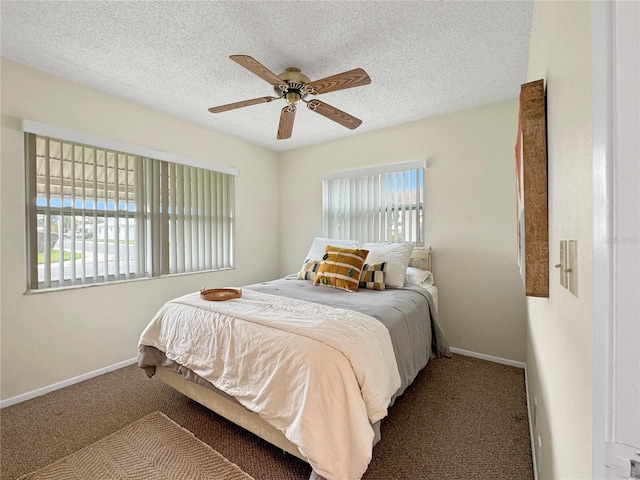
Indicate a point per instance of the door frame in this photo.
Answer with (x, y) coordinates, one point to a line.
(616, 228)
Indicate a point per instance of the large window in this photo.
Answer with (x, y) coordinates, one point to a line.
(380, 204)
(98, 214)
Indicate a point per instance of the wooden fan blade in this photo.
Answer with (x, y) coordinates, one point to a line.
(350, 79)
(286, 122)
(258, 69)
(245, 103)
(332, 113)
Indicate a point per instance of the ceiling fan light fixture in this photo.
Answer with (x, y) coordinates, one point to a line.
(294, 86)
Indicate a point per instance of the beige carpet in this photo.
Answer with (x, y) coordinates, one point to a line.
(154, 447)
(463, 418)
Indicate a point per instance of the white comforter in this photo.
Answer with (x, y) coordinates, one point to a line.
(321, 375)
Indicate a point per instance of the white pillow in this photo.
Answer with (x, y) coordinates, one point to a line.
(317, 250)
(397, 256)
(419, 277)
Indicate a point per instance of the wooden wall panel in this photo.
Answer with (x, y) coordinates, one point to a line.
(534, 175)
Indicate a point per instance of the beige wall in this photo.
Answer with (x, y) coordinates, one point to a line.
(559, 353)
(470, 215)
(51, 337)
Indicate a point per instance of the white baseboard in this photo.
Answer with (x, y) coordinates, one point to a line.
(490, 358)
(65, 383)
(531, 435)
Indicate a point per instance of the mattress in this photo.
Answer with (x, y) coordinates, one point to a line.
(433, 291)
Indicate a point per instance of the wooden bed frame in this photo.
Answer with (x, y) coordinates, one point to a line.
(236, 413)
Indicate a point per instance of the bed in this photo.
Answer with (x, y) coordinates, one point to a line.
(307, 368)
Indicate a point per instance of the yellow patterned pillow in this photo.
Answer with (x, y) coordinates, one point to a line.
(340, 268)
(372, 276)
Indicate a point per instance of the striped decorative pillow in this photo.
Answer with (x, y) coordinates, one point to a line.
(372, 276)
(340, 268)
(309, 270)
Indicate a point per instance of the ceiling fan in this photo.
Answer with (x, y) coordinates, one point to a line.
(294, 87)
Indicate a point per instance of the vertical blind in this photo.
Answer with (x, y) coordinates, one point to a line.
(98, 215)
(382, 204)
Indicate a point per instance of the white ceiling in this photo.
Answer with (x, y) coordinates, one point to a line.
(424, 58)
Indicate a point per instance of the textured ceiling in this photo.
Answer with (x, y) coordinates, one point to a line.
(424, 58)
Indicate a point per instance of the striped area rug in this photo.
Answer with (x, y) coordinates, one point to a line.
(154, 447)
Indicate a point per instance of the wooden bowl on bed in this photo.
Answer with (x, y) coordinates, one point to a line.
(219, 294)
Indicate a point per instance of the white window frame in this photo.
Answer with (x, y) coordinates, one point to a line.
(180, 205)
(356, 205)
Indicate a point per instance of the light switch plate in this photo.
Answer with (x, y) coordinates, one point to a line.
(572, 266)
(563, 264)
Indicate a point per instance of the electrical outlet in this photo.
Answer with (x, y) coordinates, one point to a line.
(538, 457)
(535, 411)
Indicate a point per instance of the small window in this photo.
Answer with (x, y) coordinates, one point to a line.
(98, 215)
(380, 204)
